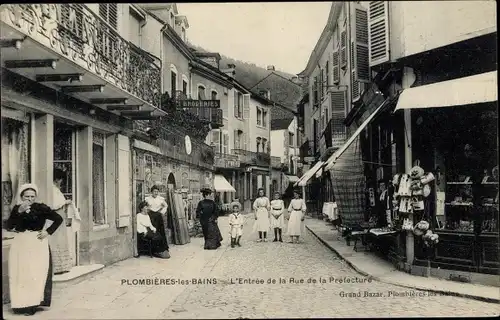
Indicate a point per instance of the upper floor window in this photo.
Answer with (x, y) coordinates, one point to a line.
(264, 118)
(259, 140)
(264, 145)
(201, 92)
(109, 13)
(173, 82)
(214, 95)
(238, 105)
(238, 139)
(259, 117)
(183, 33)
(327, 71)
(291, 139)
(184, 87)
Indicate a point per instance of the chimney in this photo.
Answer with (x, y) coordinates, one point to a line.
(231, 66)
(271, 68)
(230, 71)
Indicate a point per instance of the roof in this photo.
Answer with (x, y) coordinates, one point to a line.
(280, 124)
(180, 19)
(283, 90)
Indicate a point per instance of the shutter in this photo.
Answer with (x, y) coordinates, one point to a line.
(359, 45)
(338, 107)
(327, 71)
(236, 143)
(336, 67)
(225, 143)
(123, 182)
(378, 32)
(246, 106)
(109, 12)
(343, 49)
(355, 87)
(244, 138)
(235, 97)
(315, 91)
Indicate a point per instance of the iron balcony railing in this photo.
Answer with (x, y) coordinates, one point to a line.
(253, 158)
(214, 116)
(76, 32)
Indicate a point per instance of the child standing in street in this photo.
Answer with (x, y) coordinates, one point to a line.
(236, 221)
(277, 216)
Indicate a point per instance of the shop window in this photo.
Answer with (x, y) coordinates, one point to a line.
(98, 180)
(15, 161)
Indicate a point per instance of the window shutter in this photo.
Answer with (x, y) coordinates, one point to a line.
(235, 97)
(338, 107)
(343, 49)
(109, 12)
(246, 106)
(359, 45)
(378, 32)
(216, 139)
(236, 143)
(225, 143)
(336, 67)
(123, 177)
(327, 71)
(245, 143)
(315, 91)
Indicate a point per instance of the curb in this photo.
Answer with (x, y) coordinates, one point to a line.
(363, 273)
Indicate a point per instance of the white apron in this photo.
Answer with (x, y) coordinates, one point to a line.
(28, 269)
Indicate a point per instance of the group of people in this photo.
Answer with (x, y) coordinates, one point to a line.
(272, 215)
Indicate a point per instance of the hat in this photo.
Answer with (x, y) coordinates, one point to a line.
(206, 190)
(236, 204)
(23, 188)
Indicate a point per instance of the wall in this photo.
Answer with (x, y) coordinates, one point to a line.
(418, 26)
(151, 39)
(172, 56)
(258, 131)
(278, 141)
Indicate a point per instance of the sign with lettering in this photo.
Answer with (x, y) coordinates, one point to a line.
(212, 104)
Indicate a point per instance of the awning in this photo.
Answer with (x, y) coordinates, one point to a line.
(292, 179)
(222, 185)
(333, 158)
(308, 175)
(463, 91)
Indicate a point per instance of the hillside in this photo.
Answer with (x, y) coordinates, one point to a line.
(247, 73)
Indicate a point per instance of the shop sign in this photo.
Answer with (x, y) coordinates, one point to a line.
(210, 104)
(226, 163)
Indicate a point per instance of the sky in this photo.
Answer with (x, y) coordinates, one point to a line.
(282, 34)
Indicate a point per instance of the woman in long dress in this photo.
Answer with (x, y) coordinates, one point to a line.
(59, 245)
(277, 217)
(297, 210)
(208, 214)
(261, 206)
(30, 261)
(157, 212)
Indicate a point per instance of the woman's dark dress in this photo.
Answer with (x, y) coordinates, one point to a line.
(35, 221)
(208, 214)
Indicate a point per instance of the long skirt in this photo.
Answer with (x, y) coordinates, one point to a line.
(212, 234)
(295, 224)
(59, 245)
(277, 222)
(262, 223)
(161, 243)
(30, 271)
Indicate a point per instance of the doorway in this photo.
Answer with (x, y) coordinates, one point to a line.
(171, 181)
(65, 161)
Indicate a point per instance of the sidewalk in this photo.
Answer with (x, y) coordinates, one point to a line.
(368, 264)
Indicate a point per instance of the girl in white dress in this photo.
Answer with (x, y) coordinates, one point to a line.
(261, 207)
(297, 210)
(277, 217)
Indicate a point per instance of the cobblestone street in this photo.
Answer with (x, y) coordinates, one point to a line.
(104, 295)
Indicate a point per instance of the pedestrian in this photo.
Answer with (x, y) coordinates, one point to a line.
(236, 221)
(208, 213)
(30, 261)
(277, 216)
(261, 207)
(156, 202)
(297, 210)
(157, 212)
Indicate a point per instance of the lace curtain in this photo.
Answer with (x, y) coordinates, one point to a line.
(98, 179)
(15, 161)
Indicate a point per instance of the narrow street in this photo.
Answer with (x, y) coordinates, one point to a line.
(104, 296)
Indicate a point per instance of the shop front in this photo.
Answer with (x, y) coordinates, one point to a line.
(454, 136)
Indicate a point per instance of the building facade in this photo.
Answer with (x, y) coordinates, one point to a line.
(67, 87)
(335, 76)
(444, 134)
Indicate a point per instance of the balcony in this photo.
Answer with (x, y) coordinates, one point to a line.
(207, 115)
(226, 161)
(69, 48)
(253, 158)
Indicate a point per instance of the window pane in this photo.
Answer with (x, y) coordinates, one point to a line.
(201, 93)
(214, 95)
(62, 142)
(98, 184)
(184, 87)
(173, 79)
